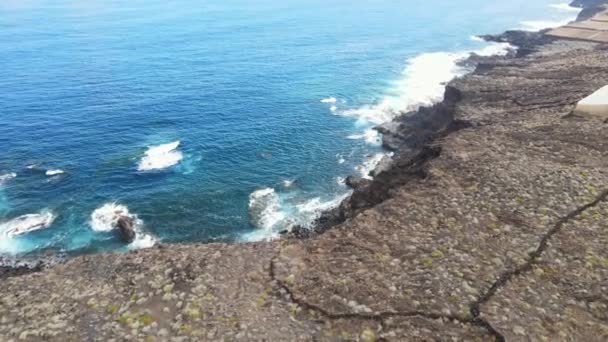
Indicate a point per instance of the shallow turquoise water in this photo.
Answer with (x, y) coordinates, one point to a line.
(88, 86)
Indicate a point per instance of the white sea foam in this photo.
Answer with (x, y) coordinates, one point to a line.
(316, 206)
(56, 172)
(537, 25)
(160, 157)
(7, 177)
(565, 7)
(142, 240)
(27, 223)
(493, 49)
(329, 100)
(371, 136)
(370, 164)
(105, 219)
(422, 84)
(341, 180)
(333, 109)
(271, 215)
(288, 183)
(264, 209)
(340, 159)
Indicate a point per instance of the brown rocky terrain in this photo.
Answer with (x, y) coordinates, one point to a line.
(491, 224)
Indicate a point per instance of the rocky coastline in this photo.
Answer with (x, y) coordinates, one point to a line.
(489, 223)
(411, 136)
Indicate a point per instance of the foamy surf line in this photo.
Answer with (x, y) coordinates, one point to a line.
(423, 83)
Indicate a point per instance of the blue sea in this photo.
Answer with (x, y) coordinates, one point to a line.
(212, 120)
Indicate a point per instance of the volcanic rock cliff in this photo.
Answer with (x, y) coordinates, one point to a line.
(491, 223)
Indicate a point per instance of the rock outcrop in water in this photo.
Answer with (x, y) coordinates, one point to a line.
(126, 228)
(490, 224)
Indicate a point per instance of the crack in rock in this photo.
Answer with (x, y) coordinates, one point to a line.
(379, 317)
(532, 260)
(475, 310)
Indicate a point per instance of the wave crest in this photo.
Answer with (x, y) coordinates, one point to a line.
(370, 164)
(422, 84)
(105, 218)
(160, 157)
(27, 223)
(264, 209)
(6, 177)
(371, 136)
(56, 172)
(271, 214)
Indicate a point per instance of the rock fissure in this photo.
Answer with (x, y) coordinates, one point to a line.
(505, 277)
(379, 317)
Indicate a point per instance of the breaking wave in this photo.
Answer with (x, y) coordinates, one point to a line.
(329, 100)
(270, 213)
(160, 157)
(422, 84)
(7, 177)
(371, 136)
(56, 172)
(104, 218)
(560, 8)
(370, 164)
(143, 240)
(27, 223)
(288, 183)
(264, 209)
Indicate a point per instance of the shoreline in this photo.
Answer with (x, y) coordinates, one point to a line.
(407, 147)
(420, 135)
(409, 136)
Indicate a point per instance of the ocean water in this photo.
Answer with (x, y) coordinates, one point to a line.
(212, 120)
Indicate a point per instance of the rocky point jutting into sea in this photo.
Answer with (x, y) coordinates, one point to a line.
(490, 223)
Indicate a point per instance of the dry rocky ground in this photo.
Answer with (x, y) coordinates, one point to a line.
(502, 235)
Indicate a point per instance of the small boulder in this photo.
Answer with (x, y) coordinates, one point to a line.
(125, 228)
